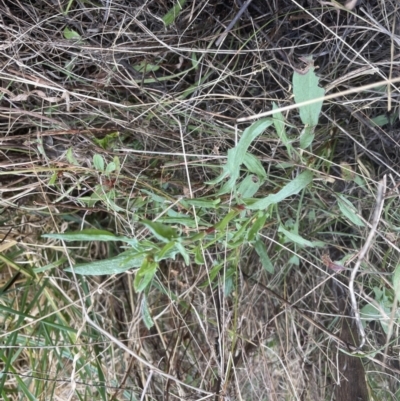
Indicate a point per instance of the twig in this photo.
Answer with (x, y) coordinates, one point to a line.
(233, 22)
(361, 256)
(146, 386)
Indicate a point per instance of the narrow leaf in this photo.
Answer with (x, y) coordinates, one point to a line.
(254, 165)
(71, 158)
(184, 221)
(396, 281)
(261, 250)
(168, 250)
(237, 155)
(145, 274)
(257, 225)
(146, 315)
(89, 234)
(198, 255)
(161, 231)
(206, 203)
(225, 221)
(295, 238)
(184, 253)
(279, 124)
(292, 188)
(118, 264)
(349, 211)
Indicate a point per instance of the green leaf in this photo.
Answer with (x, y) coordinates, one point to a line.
(380, 295)
(380, 120)
(347, 171)
(168, 251)
(197, 236)
(71, 158)
(145, 274)
(89, 234)
(256, 226)
(279, 123)
(161, 231)
(198, 255)
(110, 168)
(396, 281)
(195, 60)
(294, 260)
(70, 34)
(249, 186)
(56, 264)
(206, 203)
(237, 155)
(145, 67)
(306, 137)
(118, 264)
(238, 237)
(229, 280)
(349, 211)
(254, 165)
(292, 188)
(184, 221)
(100, 195)
(98, 162)
(261, 250)
(248, 136)
(305, 88)
(155, 198)
(53, 179)
(221, 225)
(108, 142)
(182, 250)
(214, 272)
(117, 163)
(295, 238)
(360, 182)
(369, 313)
(146, 315)
(385, 119)
(173, 13)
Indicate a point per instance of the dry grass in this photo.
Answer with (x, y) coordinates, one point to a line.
(167, 99)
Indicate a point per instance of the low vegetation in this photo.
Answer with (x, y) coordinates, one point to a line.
(194, 212)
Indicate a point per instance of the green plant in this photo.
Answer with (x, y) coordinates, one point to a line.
(384, 309)
(215, 267)
(240, 221)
